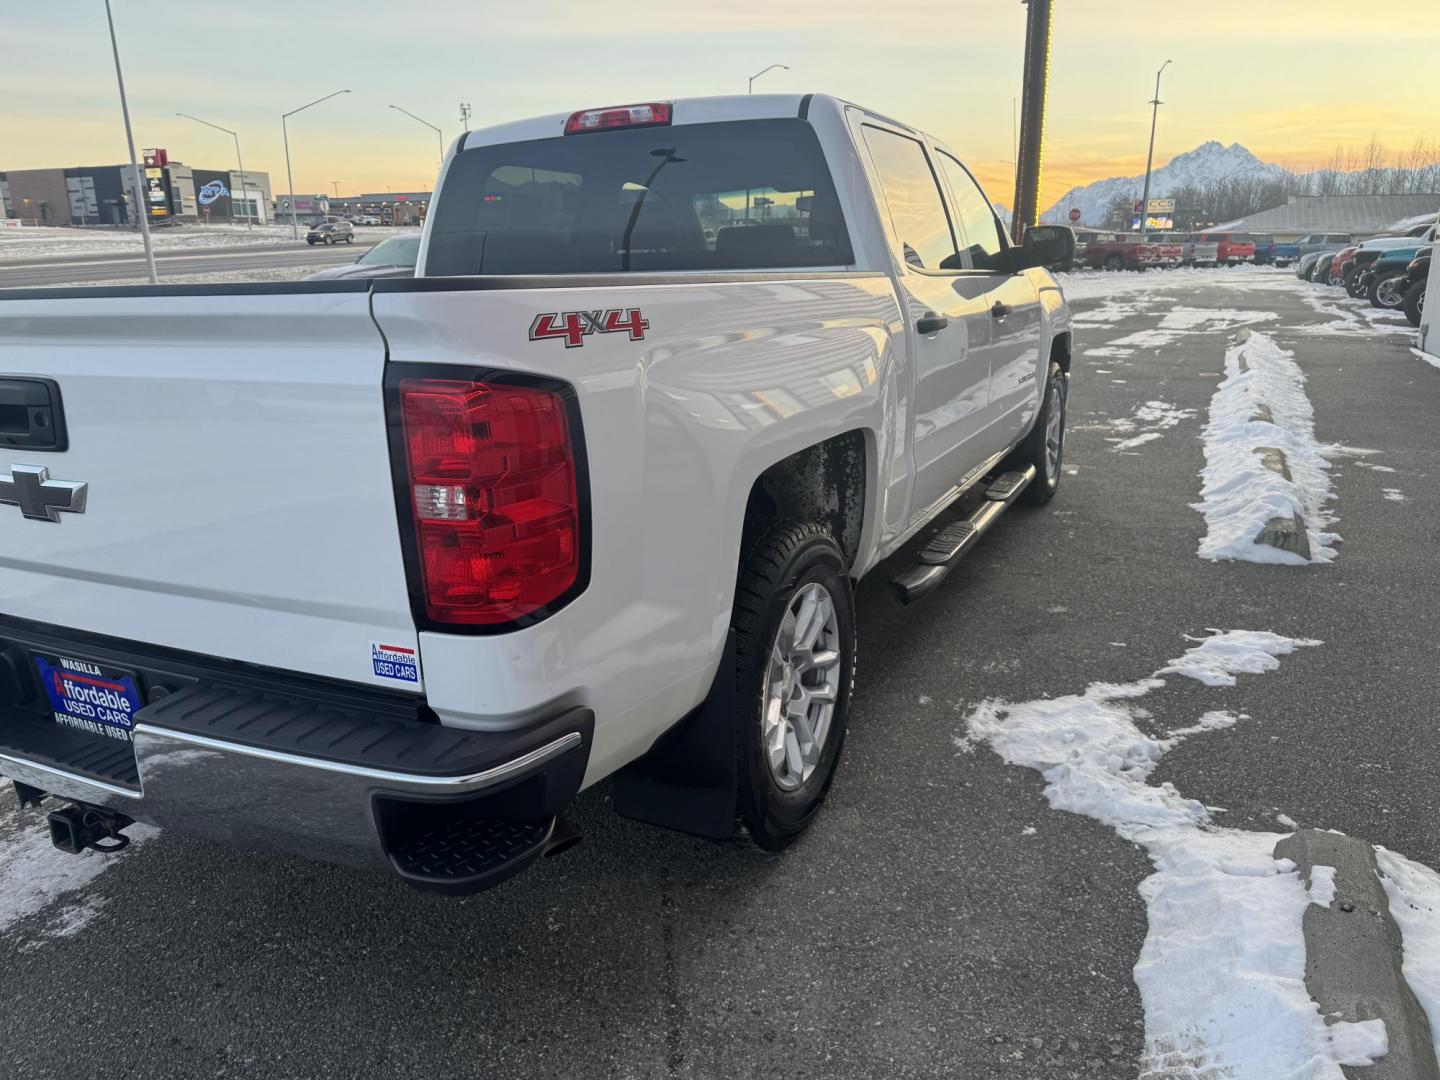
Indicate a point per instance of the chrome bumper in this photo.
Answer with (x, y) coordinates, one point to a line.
(257, 798)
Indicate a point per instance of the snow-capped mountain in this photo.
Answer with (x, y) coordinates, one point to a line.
(1204, 165)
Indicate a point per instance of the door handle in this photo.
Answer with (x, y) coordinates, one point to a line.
(931, 323)
(1000, 309)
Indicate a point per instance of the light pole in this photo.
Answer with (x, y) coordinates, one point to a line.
(750, 87)
(143, 210)
(1150, 157)
(439, 137)
(289, 177)
(244, 185)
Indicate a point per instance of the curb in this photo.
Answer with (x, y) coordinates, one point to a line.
(1353, 954)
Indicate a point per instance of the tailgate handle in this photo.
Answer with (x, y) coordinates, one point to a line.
(30, 414)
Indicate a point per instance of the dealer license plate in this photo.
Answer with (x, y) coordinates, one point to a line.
(88, 697)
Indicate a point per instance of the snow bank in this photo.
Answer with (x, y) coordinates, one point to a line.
(1239, 493)
(1414, 894)
(1222, 971)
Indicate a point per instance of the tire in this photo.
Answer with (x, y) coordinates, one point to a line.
(1352, 283)
(310, 242)
(784, 567)
(350, 239)
(1114, 262)
(1036, 447)
(1415, 303)
(1387, 292)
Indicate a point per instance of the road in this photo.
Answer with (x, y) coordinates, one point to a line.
(941, 919)
(52, 270)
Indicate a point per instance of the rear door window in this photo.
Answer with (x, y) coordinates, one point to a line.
(739, 195)
(917, 210)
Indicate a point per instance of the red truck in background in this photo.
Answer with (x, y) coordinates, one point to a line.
(1125, 251)
(1232, 247)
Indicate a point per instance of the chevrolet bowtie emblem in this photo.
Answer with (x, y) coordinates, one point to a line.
(30, 488)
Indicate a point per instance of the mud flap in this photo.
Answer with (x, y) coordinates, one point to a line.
(688, 781)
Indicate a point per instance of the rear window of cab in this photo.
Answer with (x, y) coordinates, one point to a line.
(737, 195)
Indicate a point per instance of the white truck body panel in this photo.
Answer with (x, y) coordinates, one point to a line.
(240, 500)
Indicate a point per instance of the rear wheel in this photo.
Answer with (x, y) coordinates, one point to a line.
(794, 624)
(1388, 291)
(1415, 303)
(1044, 447)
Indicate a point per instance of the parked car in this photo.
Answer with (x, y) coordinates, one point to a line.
(1083, 237)
(1416, 276)
(1387, 280)
(332, 232)
(1195, 253)
(1306, 265)
(1264, 248)
(1309, 244)
(1357, 282)
(406, 567)
(1231, 247)
(1320, 270)
(1124, 251)
(394, 257)
(1335, 273)
(1389, 256)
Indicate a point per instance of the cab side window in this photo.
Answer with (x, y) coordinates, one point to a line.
(978, 223)
(917, 210)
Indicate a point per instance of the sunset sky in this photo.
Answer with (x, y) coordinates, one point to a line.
(1290, 79)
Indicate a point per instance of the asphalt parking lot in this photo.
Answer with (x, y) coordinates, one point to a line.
(941, 919)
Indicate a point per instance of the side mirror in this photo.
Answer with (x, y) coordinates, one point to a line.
(1052, 246)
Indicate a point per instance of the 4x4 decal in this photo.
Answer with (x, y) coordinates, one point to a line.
(575, 326)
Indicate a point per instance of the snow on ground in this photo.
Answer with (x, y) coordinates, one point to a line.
(42, 242)
(36, 877)
(1151, 419)
(1222, 971)
(1208, 320)
(1414, 894)
(1429, 358)
(1239, 493)
(1100, 284)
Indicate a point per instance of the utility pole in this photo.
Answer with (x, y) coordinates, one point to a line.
(464, 117)
(1032, 117)
(1150, 157)
(143, 210)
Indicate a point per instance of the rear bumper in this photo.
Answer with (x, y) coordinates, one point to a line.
(264, 760)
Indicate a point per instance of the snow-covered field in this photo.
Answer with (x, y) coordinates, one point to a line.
(42, 242)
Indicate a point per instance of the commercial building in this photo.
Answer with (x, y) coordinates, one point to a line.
(1359, 215)
(106, 194)
(391, 207)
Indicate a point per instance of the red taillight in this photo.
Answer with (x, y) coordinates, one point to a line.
(651, 114)
(494, 492)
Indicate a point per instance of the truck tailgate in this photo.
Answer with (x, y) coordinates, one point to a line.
(239, 500)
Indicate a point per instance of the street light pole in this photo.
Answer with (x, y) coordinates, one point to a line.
(1150, 157)
(244, 186)
(285, 133)
(143, 210)
(439, 136)
(750, 87)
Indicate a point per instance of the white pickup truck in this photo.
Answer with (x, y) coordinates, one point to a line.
(385, 572)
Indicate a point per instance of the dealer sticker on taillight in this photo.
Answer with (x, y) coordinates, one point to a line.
(396, 663)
